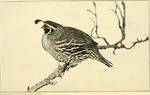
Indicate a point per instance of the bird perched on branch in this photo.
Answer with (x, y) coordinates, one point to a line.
(69, 45)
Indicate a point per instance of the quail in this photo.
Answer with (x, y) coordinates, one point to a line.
(69, 45)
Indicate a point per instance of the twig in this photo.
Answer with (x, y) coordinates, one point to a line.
(121, 26)
(122, 18)
(122, 45)
(136, 42)
(95, 22)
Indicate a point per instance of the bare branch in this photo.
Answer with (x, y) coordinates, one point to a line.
(136, 42)
(95, 27)
(117, 7)
(59, 72)
(121, 17)
(95, 22)
(122, 45)
(91, 12)
(105, 40)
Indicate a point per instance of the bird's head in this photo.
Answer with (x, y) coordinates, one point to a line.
(49, 26)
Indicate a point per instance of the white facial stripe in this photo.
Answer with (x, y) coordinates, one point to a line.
(50, 26)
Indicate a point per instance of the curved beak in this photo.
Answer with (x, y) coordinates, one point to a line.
(42, 27)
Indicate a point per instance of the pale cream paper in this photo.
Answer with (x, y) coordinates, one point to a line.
(24, 62)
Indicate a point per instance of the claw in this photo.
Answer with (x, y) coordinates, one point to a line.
(65, 66)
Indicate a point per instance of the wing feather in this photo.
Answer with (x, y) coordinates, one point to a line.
(79, 37)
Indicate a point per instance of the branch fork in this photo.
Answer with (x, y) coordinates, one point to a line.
(121, 17)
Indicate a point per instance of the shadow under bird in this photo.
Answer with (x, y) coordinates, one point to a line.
(69, 45)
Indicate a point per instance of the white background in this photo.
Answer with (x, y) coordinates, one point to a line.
(24, 62)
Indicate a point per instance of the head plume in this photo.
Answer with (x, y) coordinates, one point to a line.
(51, 24)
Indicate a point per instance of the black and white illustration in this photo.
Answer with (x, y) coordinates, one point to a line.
(74, 46)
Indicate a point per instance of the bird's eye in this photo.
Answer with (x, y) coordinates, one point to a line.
(47, 31)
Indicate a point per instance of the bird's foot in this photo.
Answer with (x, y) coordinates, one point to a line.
(65, 68)
(61, 75)
(71, 66)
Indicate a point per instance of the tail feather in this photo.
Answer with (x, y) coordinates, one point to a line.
(96, 55)
(100, 58)
(106, 62)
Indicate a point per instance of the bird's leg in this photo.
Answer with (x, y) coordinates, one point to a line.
(64, 69)
(71, 66)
